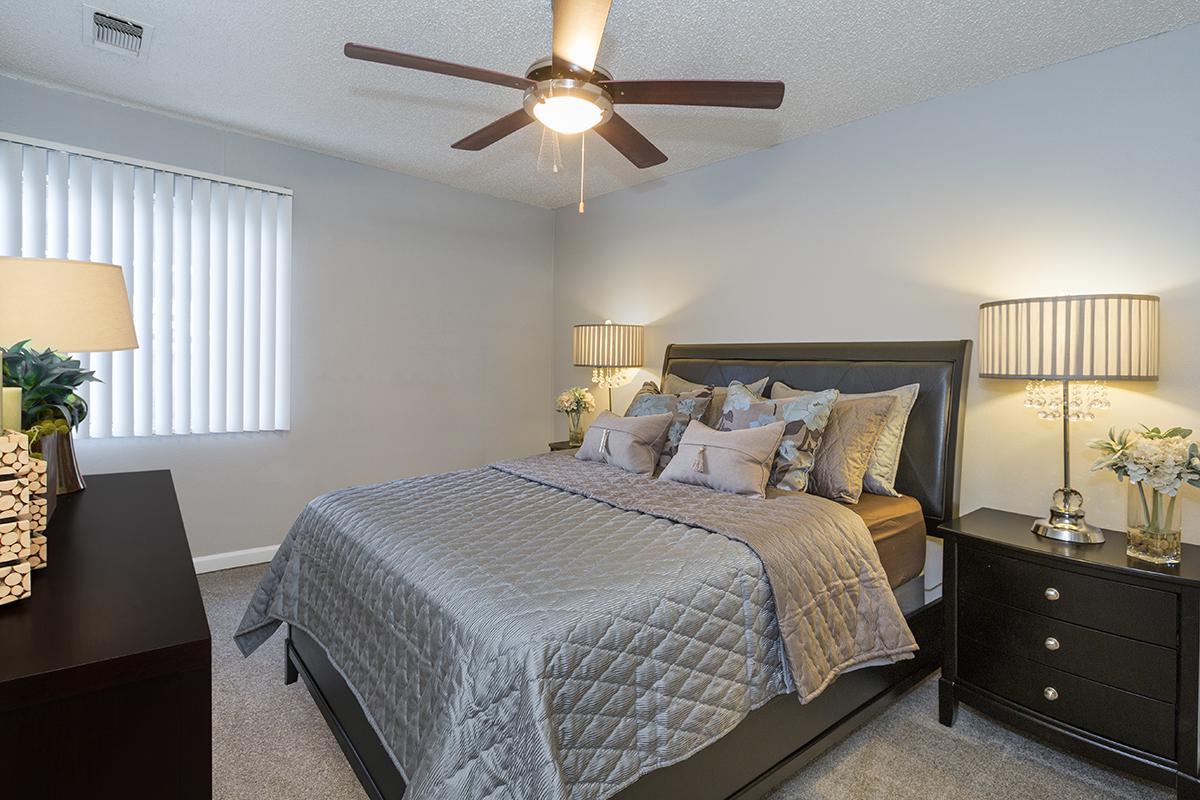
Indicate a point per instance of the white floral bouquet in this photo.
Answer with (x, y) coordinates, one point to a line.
(576, 400)
(1157, 463)
(1161, 460)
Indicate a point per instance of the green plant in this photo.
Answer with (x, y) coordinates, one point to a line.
(41, 430)
(48, 382)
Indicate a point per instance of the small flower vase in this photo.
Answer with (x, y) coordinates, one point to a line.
(1155, 526)
(575, 437)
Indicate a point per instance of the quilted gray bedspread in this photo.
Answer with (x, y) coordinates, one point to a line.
(549, 628)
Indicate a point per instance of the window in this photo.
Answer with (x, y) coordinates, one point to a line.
(207, 263)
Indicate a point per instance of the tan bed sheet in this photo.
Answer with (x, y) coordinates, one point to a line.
(897, 526)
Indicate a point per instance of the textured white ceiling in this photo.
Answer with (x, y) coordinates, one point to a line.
(276, 69)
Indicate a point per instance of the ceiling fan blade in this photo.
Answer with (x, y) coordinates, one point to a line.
(380, 56)
(490, 134)
(732, 94)
(578, 28)
(629, 143)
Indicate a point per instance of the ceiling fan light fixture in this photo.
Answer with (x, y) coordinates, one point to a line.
(568, 106)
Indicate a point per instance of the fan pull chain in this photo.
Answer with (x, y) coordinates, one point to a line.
(582, 162)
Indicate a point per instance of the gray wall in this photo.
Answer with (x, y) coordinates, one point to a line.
(420, 323)
(1081, 177)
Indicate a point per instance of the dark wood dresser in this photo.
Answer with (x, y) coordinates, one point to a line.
(1077, 644)
(105, 670)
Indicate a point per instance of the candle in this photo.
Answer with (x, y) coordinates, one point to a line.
(10, 408)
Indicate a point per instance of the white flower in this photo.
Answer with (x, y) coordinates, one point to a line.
(1160, 463)
(575, 400)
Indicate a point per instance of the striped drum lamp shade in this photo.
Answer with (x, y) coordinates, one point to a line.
(1104, 337)
(1051, 340)
(609, 350)
(607, 346)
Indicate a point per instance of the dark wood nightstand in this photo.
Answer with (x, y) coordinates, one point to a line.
(1077, 644)
(564, 445)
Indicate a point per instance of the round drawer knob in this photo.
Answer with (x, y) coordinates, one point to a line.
(1052, 594)
(1050, 693)
(1051, 643)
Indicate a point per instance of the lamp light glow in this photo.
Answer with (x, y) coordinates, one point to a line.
(568, 114)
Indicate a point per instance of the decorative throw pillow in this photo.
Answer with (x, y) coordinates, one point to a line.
(728, 461)
(880, 477)
(631, 443)
(805, 418)
(846, 447)
(674, 385)
(684, 408)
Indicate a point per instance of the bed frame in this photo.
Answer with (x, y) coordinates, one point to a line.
(782, 737)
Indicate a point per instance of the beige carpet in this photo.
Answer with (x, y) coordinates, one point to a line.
(270, 742)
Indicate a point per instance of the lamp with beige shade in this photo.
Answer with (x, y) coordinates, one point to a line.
(69, 307)
(1068, 339)
(609, 350)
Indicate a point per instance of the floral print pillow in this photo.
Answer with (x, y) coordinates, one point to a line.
(806, 418)
(686, 407)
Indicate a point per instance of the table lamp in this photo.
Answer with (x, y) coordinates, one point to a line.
(1094, 338)
(609, 350)
(67, 306)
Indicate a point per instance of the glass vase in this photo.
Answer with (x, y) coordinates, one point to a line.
(1155, 525)
(575, 437)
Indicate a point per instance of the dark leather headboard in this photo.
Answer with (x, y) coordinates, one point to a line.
(931, 460)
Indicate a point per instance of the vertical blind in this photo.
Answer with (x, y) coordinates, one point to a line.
(208, 267)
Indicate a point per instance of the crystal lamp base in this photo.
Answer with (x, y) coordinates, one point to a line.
(1066, 522)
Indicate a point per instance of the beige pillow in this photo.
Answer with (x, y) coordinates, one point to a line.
(846, 447)
(728, 461)
(673, 384)
(631, 443)
(880, 477)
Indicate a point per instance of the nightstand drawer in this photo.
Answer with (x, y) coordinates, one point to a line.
(1134, 666)
(1131, 611)
(1131, 719)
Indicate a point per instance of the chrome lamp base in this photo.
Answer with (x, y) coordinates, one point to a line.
(1066, 522)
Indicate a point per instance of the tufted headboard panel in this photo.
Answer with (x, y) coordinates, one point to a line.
(930, 462)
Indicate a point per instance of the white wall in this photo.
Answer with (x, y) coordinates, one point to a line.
(420, 322)
(1081, 177)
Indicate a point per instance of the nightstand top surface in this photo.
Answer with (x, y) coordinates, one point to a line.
(1007, 529)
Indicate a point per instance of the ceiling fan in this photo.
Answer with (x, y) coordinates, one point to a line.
(569, 93)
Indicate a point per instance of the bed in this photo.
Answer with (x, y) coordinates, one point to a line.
(543, 628)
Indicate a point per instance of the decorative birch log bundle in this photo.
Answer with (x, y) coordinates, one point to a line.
(14, 580)
(14, 453)
(37, 555)
(16, 541)
(38, 488)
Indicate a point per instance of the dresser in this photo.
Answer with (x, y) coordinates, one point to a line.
(105, 670)
(1077, 644)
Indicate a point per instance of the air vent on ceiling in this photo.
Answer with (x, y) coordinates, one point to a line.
(114, 34)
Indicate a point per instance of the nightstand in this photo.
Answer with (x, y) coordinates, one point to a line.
(1077, 644)
(562, 446)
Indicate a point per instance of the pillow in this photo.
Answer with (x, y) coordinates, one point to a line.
(728, 461)
(684, 407)
(845, 451)
(672, 384)
(880, 477)
(631, 443)
(805, 418)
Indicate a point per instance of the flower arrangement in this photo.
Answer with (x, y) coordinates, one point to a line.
(574, 402)
(1157, 463)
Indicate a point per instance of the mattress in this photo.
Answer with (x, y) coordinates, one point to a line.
(897, 526)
